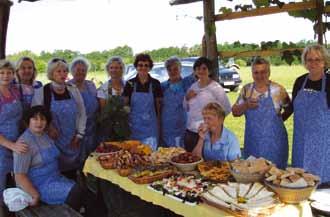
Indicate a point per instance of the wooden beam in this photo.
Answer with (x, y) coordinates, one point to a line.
(210, 37)
(4, 18)
(262, 53)
(181, 2)
(320, 9)
(266, 10)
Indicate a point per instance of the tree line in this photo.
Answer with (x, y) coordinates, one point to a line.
(98, 58)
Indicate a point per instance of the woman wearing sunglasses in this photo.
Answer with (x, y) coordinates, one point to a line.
(143, 94)
(311, 107)
(202, 92)
(68, 111)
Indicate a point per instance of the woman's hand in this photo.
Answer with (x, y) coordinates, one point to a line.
(75, 143)
(191, 94)
(252, 103)
(202, 130)
(19, 147)
(35, 200)
(52, 132)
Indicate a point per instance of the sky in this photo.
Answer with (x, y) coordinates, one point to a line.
(97, 25)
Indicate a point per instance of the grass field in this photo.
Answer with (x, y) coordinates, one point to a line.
(284, 75)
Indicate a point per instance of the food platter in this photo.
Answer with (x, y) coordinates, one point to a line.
(251, 199)
(150, 174)
(185, 188)
(217, 171)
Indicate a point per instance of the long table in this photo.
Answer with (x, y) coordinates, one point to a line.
(201, 210)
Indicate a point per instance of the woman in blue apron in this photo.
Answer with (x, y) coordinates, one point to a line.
(311, 104)
(79, 68)
(215, 141)
(143, 94)
(262, 102)
(68, 112)
(26, 73)
(37, 172)
(173, 117)
(10, 115)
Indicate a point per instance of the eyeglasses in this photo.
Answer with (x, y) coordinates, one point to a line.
(55, 60)
(143, 65)
(316, 60)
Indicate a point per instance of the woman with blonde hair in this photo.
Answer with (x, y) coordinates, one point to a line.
(10, 115)
(26, 74)
(68, 111)
(216, 142)
(311, 107)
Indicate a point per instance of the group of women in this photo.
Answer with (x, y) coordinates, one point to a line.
(182, 112)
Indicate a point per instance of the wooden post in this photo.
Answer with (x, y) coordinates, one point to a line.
(319, 8)
(4, 18)
(210, 37)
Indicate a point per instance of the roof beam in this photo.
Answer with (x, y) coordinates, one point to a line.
(266, 10)
(181, 2)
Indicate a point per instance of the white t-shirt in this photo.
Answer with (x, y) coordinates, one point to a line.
(103, 93)
(211, 93)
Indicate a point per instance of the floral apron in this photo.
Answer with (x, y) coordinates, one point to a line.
(265, 133)
(311, 136)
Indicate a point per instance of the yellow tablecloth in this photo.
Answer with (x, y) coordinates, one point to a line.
(202, 210)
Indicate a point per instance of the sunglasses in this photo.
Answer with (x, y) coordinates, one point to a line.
(143, 65)
(55, 60)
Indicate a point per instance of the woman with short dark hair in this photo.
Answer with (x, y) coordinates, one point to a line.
(37, 172)
(143, 94)
(202, 92)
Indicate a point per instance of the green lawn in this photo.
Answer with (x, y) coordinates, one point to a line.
(284, 75)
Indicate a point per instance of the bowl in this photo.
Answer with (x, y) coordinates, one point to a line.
(247, 177)
(186, 167)
(291, 195)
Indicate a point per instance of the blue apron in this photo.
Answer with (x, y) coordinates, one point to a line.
(64, 114)
(173, 115)
(143, 119)
(10, 115)
(88, 143)
(216, 151)
(265, 133)
(26, 98)
(311, 136)
(51, 185)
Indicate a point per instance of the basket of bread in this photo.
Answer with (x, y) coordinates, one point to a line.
(250, 170)
(292, 185)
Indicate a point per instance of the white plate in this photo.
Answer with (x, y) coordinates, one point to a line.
(321, 195)
(321, 207)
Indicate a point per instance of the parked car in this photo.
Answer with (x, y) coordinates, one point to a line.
(228, 77)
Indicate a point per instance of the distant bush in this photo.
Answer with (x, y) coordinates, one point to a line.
(240, 62)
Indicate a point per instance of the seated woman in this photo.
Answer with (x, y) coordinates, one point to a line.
(215, 141)
(37, 172)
